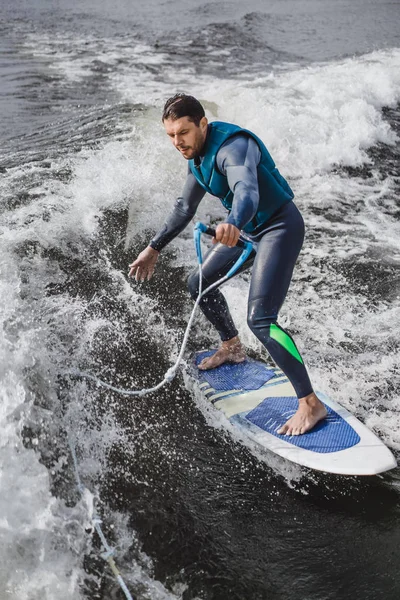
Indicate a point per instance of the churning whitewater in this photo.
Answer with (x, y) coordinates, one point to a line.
(87, 176)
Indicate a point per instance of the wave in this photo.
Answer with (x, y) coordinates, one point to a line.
(78, 207)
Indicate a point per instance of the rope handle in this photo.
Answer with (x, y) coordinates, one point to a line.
(248, 247)
(211, 231)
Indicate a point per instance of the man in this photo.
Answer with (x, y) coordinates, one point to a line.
(234, 165)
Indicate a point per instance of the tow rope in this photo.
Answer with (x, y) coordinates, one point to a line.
(199, 228)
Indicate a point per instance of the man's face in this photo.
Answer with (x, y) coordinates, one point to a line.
(186, 136)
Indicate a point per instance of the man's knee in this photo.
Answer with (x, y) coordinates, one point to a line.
(258, 319)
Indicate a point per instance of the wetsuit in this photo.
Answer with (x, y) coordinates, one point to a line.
(279, 239)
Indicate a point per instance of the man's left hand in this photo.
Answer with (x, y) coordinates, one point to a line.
(227, 234)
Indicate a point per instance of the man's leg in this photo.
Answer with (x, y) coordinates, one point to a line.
(217, 263)
(277, 253)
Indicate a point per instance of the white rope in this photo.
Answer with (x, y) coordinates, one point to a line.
(108, 554)
(170, 374)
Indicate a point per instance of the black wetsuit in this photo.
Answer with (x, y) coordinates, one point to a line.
(279, 242)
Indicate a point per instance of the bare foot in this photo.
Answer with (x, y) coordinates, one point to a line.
(229, 351)
(310, 411)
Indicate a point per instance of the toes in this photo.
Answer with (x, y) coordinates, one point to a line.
(204, 364)
(237, 359)
(208, 363)
(204, 367)
(286, 429)
(219, 358)
(289, 429)
(298, 427)
(301, 429)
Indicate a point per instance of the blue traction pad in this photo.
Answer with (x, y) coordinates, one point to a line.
(248, 375)
(330, 435)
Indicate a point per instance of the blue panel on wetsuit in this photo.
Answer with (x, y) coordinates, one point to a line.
(330, 435)
(248, 375)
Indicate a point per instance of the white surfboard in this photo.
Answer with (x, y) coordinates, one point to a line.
(259, 399)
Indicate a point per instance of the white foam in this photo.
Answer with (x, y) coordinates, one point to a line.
(311, 119)
(316, 117)
(44, 548)
(33, 520)
(76, 58)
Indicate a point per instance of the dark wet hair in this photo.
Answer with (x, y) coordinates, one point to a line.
(182, 105)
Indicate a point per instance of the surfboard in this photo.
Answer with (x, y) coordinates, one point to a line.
(258, 399)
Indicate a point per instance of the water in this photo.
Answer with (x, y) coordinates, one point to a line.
(87, 175)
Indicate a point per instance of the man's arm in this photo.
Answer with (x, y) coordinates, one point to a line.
(184, 210)
(238, 160)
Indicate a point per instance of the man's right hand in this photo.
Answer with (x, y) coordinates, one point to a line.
(143, 267)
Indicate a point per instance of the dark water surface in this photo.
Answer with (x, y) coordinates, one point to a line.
(86, 177)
